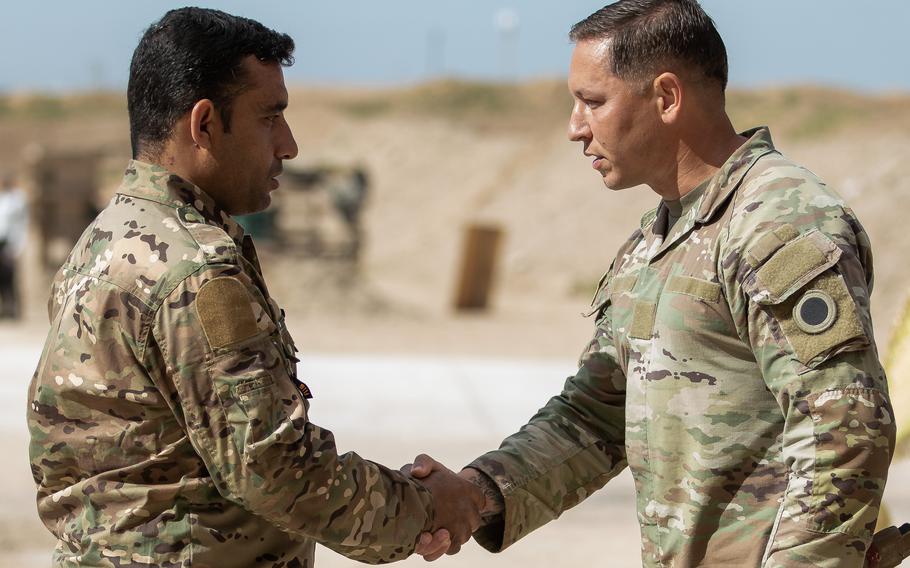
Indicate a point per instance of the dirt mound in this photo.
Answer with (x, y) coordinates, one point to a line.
(446, 154)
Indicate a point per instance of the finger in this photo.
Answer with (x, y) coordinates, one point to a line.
(438, 550)
(406, 468)
(444, 547)
(433, 544)
(423, 466)
(434, 556)
(423, 544)
(453, 549)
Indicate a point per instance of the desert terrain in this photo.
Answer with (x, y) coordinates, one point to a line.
(394, 369)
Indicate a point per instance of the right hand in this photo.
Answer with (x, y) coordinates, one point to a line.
(458, 505)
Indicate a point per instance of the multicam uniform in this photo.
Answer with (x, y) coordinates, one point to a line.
(167, 424)
(733, 369)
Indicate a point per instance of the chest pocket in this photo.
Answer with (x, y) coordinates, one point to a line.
(693, 308)
(601, 296)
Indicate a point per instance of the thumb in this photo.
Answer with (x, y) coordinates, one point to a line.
(423, 466)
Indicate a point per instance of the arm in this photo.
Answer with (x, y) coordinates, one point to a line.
(568, 450)
(799, 279)
(247, 419)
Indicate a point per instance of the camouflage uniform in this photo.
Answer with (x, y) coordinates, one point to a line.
(733, 369)
(167, 425)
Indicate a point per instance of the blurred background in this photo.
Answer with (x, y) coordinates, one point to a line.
(438, 237)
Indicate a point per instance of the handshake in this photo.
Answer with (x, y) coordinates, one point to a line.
(464, 501)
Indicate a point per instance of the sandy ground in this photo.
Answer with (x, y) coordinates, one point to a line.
(387, 408)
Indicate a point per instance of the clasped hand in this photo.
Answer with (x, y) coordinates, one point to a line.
(458, 507)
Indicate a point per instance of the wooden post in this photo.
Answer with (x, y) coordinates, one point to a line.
(478, 265)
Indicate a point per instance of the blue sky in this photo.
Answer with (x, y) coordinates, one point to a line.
(61, 45)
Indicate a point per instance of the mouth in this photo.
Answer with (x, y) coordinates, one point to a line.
(597, 162)
(274, 182)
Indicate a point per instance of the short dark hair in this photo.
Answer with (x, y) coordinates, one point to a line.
(647, 34)
(188, 55)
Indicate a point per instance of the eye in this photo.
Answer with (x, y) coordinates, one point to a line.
(592, 103)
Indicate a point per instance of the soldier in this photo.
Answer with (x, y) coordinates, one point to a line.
(732, 366)
(168, 427)
(13, 231)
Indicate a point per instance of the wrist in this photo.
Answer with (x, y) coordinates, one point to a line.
(493, 500)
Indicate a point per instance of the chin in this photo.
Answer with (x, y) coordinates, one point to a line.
(611, 183)
(615, 183)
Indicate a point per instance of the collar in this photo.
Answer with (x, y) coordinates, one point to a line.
(727, 179)
(720, 186)
(155, 183)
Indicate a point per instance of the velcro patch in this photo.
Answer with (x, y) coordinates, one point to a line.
(643, 320)
(770, 244)
(225, 310)
(702, 289)
(623, 284)
(821, 319)
(793, 266)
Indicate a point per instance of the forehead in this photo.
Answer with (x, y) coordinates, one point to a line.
(590, 64)
(263, 82)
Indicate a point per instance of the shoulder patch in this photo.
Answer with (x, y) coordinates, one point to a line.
(821, 320)
(815, 312)
(225, 310)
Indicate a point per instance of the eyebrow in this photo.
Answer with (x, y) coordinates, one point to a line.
(276, 107)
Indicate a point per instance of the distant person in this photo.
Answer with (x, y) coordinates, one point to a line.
(732, 367)
(13, 232)
(168, 425)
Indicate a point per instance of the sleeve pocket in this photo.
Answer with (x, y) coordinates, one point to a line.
(257, 398)
(807, 298)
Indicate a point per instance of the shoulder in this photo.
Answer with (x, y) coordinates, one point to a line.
(778, 191)
(787, 229)
(146, 248)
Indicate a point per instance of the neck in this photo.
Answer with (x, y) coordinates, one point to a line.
(177, 161)
(699, 155)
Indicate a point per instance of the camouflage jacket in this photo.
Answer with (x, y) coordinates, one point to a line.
(733, 370)
(167, 425)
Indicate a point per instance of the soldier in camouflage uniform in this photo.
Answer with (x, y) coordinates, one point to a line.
(168, 427)
(732, 366)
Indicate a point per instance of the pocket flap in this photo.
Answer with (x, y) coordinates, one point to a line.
(601, 294)
(695, 287)
(791, 267)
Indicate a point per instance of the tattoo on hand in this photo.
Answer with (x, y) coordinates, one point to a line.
(494, 502)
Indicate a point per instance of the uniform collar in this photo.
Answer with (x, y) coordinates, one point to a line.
(155, 183)
(727, 179)
(723, 183)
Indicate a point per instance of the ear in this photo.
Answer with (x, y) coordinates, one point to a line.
(204, 122)
(668, 95)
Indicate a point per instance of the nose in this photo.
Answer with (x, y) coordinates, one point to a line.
(286, 146)
(578, 126)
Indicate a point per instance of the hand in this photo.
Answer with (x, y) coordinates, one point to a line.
(458, 505)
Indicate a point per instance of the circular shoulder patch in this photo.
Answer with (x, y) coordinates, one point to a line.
(815, 312)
